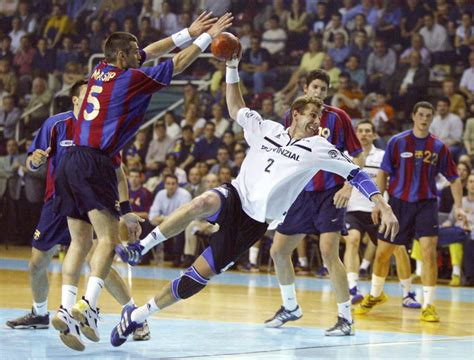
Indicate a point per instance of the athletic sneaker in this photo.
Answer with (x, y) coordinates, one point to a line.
(130, 253)
(142, 333)
(68, 329)
(455, 281)
(363, 273)
(322, 272)
(125, 327)
(88, 318)
(342, 328)
(356, 295)
(30, 321)
(410, 302)
(369, 302)
(282, 316)
(429, 314)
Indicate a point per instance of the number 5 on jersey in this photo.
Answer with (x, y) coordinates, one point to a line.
(94, 102)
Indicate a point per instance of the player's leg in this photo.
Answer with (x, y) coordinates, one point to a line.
(352, 263)
(429, 276)
(368, 258)
(402, 259)
(456, 252)
(38, 318)
(303, 265)
(205, 205)
(253, 257)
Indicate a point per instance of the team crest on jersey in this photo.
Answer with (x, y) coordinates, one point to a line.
(66, 143)
(406, 154)
(37, 234)
(333, 153)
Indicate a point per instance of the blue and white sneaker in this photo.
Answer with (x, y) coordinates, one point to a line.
(282, 316)
(130, 253)
(356, 296)
(125, 327)
(410, 302)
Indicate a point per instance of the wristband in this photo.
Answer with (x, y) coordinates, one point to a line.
(125, 207)
(33, 166)
(181, 37)
(231, 75)
(203, 41)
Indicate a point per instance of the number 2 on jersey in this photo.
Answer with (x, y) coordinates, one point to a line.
(270, 163)
(94, 101)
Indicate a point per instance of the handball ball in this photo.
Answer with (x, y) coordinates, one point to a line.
(225, 46)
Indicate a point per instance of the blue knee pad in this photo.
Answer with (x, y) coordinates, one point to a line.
(188, 284)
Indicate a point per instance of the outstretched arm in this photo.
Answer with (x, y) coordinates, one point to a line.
(234, 98)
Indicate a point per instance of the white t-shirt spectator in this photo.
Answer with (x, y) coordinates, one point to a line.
(274, 40)
(436, 39)
(467, 79)
(447, 129)
(173, 131)
(163, 205)
(221, 128)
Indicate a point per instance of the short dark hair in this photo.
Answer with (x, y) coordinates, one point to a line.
(424, 105)
(318, 74)
(170, 156)
(187, 127)
(367, 122)
(160, 123)
(76, 87)
(210, 123)
(118, 41)
(173, 176)
(443, 99)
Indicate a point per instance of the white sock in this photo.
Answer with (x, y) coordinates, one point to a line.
(253, 255)
(365, 264)
(457, 270)
(303, 260)
(419, 267)
(428, 295)
(352, 278)
(94, 288)
(288, 294)
(41, 309)
(141, 313)
(344, 310)
(406, 286)
(68, 296)
(151, 240)
(130, 302)
(377, 285)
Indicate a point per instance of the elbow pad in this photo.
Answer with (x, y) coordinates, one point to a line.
(362, 182)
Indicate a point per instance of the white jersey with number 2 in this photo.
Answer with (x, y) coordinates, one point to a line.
(277, 167)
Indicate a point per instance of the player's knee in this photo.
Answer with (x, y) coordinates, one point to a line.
(37, 264)
(204, 204)
(429, 254)
(352, 241)
(188, 284)
(328, 251)
(278, 253)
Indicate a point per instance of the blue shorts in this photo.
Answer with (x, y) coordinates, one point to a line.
(416, 220)
(314, 213)
(85, 181)
(51, 229)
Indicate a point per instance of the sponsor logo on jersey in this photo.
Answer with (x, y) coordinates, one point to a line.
(406, 154)
(333, 153)
(286, 153)
(66, 143)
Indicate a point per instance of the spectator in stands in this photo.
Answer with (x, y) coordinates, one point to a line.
(297, 25)
(184, 146)
(38, 106)
(148, 12)
(332, 28)
(6, 49)
(228, 139)
(333, 72)
(28, 18)
(268, 111)
(340, 52)
(381, 65)
(279, 9)
(436, 40)
(417, 44)
(388, 24)
(274, 39)
(382, 116)
(356, 73)
(461, 6)
(140, 198)
(446, 201)
(66, 54)
(44, 60)
(8, 77)
(225, 174)
(218, 119)
(173, 130)
(96, 36)
(466, 85)
(130, 26)
(180, 174)
(245, 35)
(138, 149)
(57, 26)
(10, 164)
(205, 150)
(367, 9)
(157, 150)
(464, 33)
(344, 9)
(239, 157)
(194, 186)
(448, 127)
(255, 66)
(361, 48)
(412, 20)
(321, 18)
(468, 136)
(23, 62)
(3, 94)
(223, 159)
(72, 72)
(16, 33)
(165, 202)
(193, 119)
(348, 97)
(84, 52)
(458, 104)
(168, 20)
(409, 84)
(147, 34)
(190, 95)
(218, 8)
(10, 116)
(360, 24)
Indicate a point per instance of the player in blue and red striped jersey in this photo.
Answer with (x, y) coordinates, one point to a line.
(412, 160)
(118, 94)
(319, 209)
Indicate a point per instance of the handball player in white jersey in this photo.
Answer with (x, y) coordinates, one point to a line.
(279, 164)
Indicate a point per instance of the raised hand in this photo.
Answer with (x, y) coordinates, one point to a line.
(201, 24)
(224, 22)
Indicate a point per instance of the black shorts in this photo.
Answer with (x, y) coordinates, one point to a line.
(85, 181)
(416, 220)
(237, 231)
(362, 221)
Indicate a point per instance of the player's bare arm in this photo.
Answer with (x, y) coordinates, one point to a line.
(37, 159)
(185, 57)
(381, 181)
(164, 46)
(456, 190)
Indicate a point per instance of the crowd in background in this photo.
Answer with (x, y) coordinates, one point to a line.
(382, 57)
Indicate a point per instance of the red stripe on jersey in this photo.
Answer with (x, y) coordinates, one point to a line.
(409, 168)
